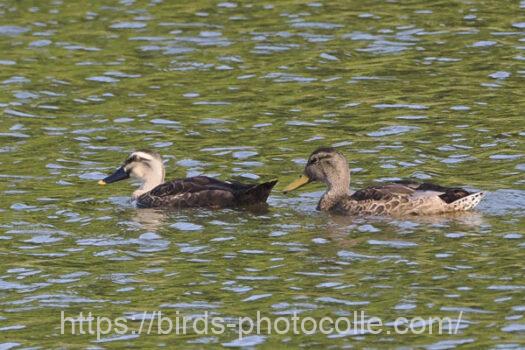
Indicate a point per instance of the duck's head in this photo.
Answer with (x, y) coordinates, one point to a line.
(326, 165)
(144, 165)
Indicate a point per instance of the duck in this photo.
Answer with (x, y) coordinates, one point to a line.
(400, 198)
(198, 191)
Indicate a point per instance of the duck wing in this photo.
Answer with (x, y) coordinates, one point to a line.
(203, 191)
(447, 194)
(410, 188)
(212, 183)
(382, 193)
(198, 191)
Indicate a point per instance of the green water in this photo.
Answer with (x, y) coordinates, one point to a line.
(246, 90)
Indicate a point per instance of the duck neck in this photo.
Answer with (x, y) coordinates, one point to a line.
(338, 188)
(150, 180)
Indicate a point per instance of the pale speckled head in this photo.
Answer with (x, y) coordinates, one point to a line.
(144, 165)
(327, 165)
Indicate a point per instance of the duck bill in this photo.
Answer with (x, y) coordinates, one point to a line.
(303, 180)
(118, 175)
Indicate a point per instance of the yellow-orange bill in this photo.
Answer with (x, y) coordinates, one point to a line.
(101, 182)
(303, 180)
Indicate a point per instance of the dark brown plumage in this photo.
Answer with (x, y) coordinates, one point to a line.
(203, 191)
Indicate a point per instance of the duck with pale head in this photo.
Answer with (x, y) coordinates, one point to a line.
(197, 191)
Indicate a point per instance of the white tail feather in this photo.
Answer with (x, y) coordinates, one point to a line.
(466, 203)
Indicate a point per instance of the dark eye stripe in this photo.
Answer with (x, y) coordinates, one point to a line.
(130, 160)
(136, 158)
(318, 158)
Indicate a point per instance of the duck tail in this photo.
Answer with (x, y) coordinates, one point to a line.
(466, 203)
(257, 193)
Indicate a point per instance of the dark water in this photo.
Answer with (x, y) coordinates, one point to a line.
(246, 90)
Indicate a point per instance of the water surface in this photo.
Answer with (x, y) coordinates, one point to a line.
(246, 90)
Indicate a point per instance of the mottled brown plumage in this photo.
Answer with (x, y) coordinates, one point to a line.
(399, 198)
(198, 191)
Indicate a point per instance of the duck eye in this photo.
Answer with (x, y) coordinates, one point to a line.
(130, 160)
